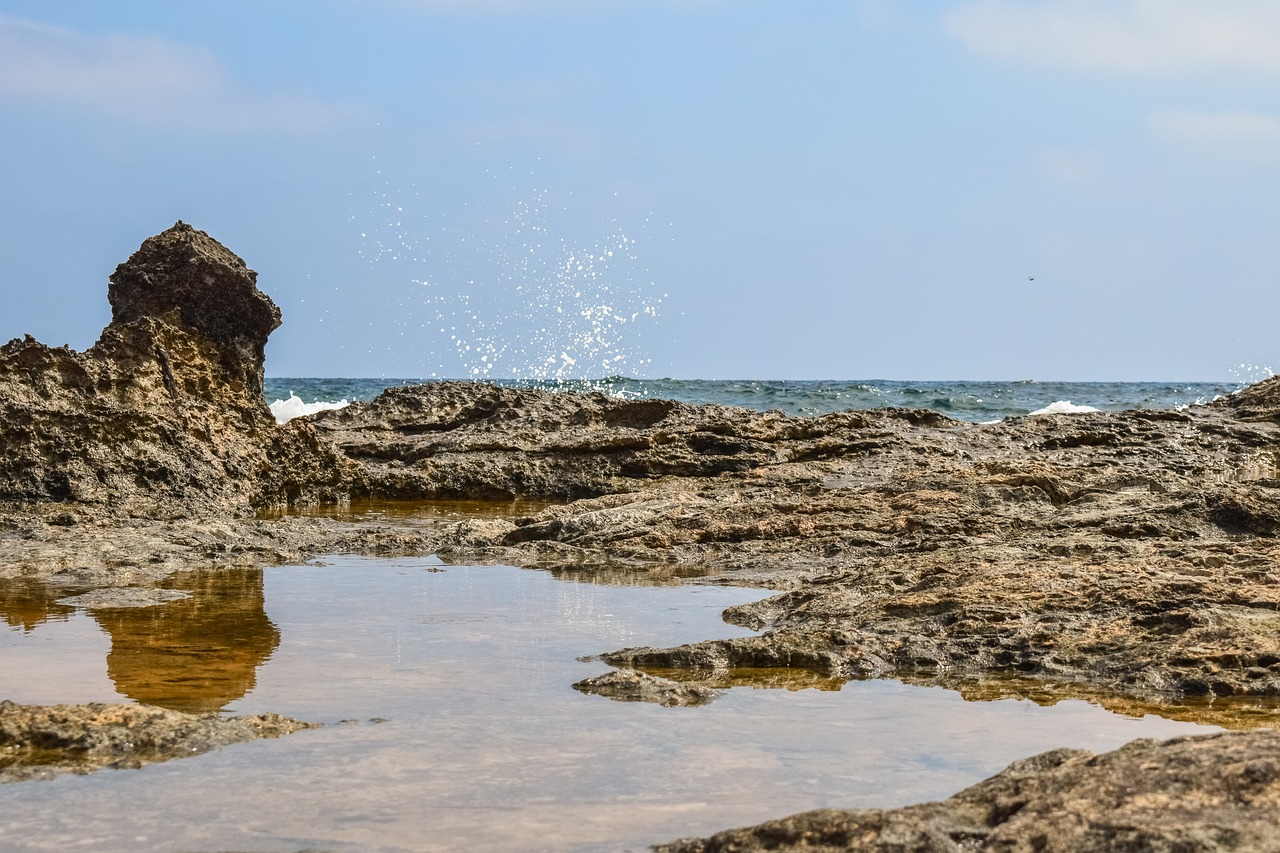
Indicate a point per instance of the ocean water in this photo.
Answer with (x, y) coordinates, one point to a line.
(968, 401)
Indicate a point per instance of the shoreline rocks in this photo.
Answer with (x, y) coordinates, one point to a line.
(1210, 793)
(44, 741)
(1129, 558)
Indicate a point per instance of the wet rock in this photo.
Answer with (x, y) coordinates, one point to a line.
(1214, 793)
(632, 686)
(40, 742)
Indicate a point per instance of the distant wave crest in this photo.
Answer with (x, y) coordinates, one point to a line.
(287, 410)
(1063, 407)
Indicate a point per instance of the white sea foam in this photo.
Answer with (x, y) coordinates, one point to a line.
(287, 410)
(1063, 407)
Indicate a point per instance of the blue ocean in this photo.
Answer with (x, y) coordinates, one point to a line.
(978, 402)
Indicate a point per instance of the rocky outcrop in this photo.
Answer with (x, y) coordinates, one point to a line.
(1215, 793)
(1127, 558)
(461, 439)
(632, 686)
(164, 415)
(43, 741)
(1128, 554)
(190, 281)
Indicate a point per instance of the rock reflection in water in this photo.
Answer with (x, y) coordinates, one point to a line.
(26, 604)
(198, 654)
(409, 512)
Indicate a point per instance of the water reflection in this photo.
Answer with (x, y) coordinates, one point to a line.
(410, 512)
(26, 603)
(486, 744)
(621, 574)
(1228, 712)
(761, 677)
(198, 654)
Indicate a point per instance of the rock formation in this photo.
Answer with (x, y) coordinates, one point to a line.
(1206, 794)
(164, 415)
(40, 742)
(1128, 558)
(1129, 555)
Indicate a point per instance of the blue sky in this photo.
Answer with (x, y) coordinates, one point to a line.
(688, 188)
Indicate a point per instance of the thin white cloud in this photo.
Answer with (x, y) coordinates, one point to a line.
(1142, 36)
(142, 79)
(1222, 128)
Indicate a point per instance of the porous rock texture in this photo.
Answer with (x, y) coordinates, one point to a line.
(1127, 558)
(1201, 794)
(146, 453)
(43, 741)
(1123, 554)
(164, 415)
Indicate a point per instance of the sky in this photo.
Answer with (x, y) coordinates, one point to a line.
(704, 189)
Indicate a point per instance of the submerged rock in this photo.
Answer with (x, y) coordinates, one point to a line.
(632, 686)
(1214, 793)
(40, 742)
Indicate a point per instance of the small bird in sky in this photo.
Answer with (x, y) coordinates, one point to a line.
(1031, 278)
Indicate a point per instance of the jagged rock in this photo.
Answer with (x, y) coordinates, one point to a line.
(43, 741)
(461, 439)
(1258, 402)
(1214, 793)
(164, 415)
(191, 281)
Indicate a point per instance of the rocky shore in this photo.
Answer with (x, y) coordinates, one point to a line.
(1127, 558)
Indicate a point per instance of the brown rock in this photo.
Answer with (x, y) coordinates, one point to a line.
(43, 741)
(1214, 793)
(191, 281)
(164, 415)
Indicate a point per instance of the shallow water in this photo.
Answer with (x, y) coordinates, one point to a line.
(464, 730)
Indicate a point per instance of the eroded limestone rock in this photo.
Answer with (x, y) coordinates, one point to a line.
(43, 741)
(1213, 793)
(164, 415)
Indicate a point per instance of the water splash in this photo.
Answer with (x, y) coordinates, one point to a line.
(512, 296)
(1247, 373)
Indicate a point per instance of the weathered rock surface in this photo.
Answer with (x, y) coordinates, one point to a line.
(1214, 793)
(1131, 559)
(461, 439)
(1132, 554)
(40, 742)
(164, 415)
(633, 686)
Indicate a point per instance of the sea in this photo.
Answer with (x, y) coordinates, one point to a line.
(974, 401)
